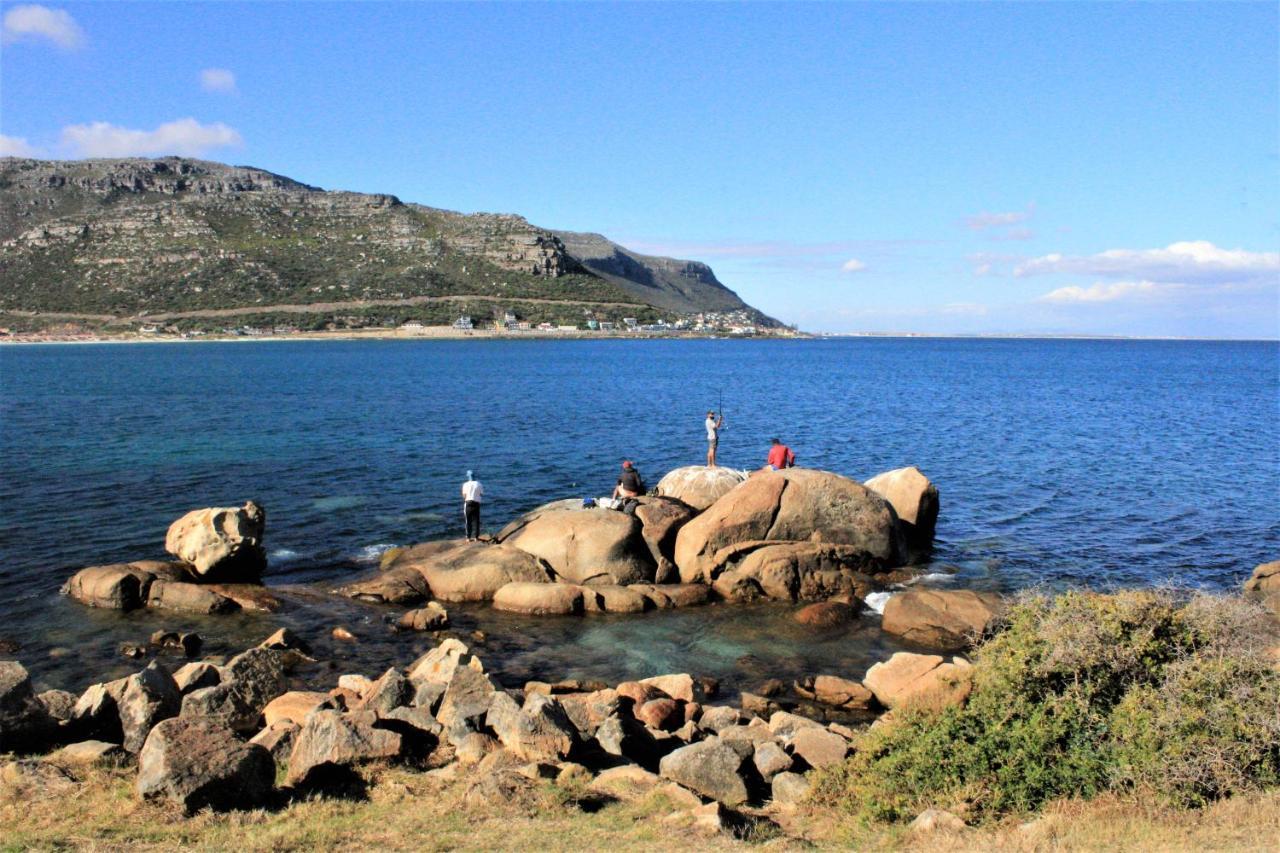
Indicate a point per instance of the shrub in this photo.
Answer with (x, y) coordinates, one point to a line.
(1080, 694)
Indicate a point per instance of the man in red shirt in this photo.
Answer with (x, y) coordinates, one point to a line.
(780, 456)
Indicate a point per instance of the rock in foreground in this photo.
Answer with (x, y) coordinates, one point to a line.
(198, 763)
(949, 620)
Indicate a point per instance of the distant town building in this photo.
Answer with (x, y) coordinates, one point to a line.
(463, 322)
(630, 322)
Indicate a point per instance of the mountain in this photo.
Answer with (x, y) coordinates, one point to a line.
(192, 242)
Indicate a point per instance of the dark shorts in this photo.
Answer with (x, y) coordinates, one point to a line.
(712, 442)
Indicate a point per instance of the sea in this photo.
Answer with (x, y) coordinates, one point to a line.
(1059, 463)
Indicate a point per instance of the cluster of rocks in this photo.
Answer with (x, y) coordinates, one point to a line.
(707, 534)
(209, 736)
(220, 560)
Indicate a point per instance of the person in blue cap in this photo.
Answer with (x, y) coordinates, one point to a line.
(472, 497)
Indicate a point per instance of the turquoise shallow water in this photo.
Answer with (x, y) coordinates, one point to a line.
(1095, 463)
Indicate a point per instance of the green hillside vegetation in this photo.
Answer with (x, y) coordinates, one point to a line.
(139, 238)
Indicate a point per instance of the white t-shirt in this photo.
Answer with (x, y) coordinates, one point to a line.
(473, 491)
(711, 429)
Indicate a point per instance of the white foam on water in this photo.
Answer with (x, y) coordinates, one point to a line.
(371, 553)
(283, 555)
(877, 600)
(338, 502)
(933, 577)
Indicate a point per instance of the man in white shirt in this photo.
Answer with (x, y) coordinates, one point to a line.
(472, 497)
(713, 436)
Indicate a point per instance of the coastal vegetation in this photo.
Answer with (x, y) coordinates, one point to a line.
(1136, 693)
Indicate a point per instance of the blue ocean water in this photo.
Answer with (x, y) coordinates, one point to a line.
(1059, 462)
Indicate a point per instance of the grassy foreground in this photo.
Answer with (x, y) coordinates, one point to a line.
(406, 810)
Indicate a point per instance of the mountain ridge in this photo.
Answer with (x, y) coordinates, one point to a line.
(141, 237)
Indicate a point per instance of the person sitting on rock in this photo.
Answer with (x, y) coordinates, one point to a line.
(780, 456)
(629, 483)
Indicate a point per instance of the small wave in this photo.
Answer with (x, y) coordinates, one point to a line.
(371, 553)
(283, 555)
(877, 600)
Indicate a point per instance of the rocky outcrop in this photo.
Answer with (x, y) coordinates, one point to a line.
(660, 521)
(198, 763)
(915, 500)
(222, 543)
(699, 486)
(164, 586)
(585, 546)
(463, 571)
(826, 614)
(949, 620)
(831, 526)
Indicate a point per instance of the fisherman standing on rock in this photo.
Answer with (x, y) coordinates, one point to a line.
(713, 425)
(472, 497)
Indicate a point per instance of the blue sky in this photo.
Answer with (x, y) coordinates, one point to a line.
(1020, 168)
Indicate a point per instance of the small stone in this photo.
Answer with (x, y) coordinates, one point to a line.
(628, 782)
(664, 714)
(432, 617)
(770, 759)
(89, 753)
(819, 747)
(934, 820)
(283, 639)
(343, 635)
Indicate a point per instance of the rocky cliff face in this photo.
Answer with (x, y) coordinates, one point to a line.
(144, 236)
(682, 286)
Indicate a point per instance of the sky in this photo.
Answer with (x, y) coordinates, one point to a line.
(1001, 168)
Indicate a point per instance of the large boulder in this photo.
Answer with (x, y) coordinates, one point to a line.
(941, 619)
(468, 571)
(699, 486)
(793, 505)
(330, 739)
(926, 680)
(915, 500)
(1265, 580)
(221, 543)
(198, 763)
(24, 720)
(586, 546)
(539, 599)
(120, 586)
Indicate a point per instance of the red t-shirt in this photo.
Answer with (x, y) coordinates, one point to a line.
(780, 456)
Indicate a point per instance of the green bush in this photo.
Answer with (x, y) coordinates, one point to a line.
(1080, 694)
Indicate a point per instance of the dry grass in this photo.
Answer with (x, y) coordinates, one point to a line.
(407, 810)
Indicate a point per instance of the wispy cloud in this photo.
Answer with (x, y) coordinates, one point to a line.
(853, 265)
(218, 80)
(40, 23)
(987, 219)
(1103, 292)
(16, 146)
(186, 137)
(1197, 261)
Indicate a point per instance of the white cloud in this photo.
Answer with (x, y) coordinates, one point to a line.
(218, 80)
(32, 22)
(984, 220)
(1197, 261)
(1101, 292)
(853, 265)
(16, 146)
(186, 137)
